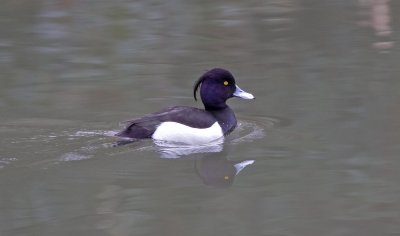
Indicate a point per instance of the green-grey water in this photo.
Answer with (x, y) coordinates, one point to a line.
(318, 150)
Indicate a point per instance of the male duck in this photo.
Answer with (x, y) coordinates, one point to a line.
(191, 125)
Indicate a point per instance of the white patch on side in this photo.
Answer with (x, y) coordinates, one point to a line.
(175, 132)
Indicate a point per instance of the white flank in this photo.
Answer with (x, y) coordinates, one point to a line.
(175, 132)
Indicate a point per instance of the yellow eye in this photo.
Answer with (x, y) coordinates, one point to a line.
(226, 83)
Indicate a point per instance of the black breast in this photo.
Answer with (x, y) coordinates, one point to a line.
(226, 119)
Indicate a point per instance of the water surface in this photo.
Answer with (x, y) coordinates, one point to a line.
(317, 150)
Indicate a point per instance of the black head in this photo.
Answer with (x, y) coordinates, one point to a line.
(218, 85)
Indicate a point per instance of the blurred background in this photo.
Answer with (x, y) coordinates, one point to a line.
(317, 151)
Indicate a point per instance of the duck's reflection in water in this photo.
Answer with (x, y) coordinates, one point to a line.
(213, 167)
(218, 171)
(176, 150)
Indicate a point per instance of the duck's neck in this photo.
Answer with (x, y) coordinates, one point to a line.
(226, 118)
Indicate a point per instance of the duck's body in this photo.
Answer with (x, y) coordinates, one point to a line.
(192, 125)
(182, 124)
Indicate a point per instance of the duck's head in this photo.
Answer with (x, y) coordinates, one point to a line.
(218, 85)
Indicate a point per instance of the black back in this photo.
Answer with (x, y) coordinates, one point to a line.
(144, 127)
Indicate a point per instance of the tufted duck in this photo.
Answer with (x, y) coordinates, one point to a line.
(191, 125)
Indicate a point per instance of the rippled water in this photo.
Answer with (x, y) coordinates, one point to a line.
(315, 154)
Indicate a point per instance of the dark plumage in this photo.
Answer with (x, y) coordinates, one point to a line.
(144, 127)
(216, 86)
